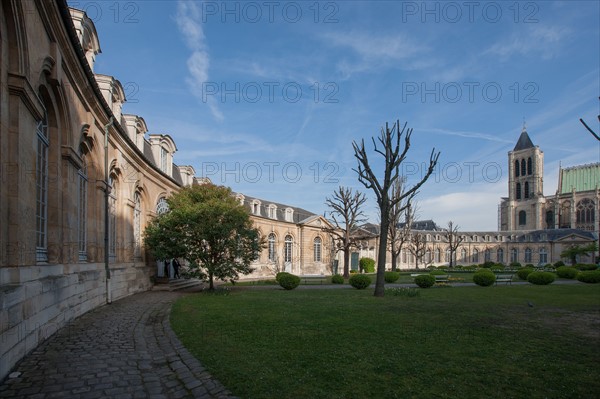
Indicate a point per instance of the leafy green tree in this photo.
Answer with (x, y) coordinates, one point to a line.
(207, 227)
(577, 250)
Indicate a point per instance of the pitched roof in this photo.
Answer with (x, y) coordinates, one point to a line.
(299, 215)
(524, 142)
(580, 178)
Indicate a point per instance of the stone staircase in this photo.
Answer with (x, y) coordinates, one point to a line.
(183, 285)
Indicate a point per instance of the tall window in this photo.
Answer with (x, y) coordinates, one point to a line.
(527, 255)
(585, 214)
(272, 212)
(448, 253)
(522, 218)
(523, 168)
(549, 219)
(137, 225)
(289, 215)
(526, 191)
(517, 168)
(514, 255)
(287, 256)
(518, 191)
(487, 255)
(271, 247)
(475, 256)
(529, 166)
(163, 159)
(82, 213)
(500, 255)
(41, 183)
(317, 249)
(543, 256)
(463, 255)
(112, 219)
(162, 206)
(438, 255)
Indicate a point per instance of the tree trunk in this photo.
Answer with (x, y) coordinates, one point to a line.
(347, 262)
(394, 260)
(211, 285)
(380, 281)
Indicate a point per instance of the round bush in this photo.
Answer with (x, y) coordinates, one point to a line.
(541, 278)
(497, 266)
(279, 275)
(425, 280)
(487, 264)
(566, 272)
(289, 281)
(524, 272)
(360, 281)
(337, 279)
(585, 266)
(484, 278)
(515, 265)
(391, 277)
(367, 265)
(590, 276)
(559, 263)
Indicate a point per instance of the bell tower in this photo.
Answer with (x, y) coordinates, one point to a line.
(525, 185)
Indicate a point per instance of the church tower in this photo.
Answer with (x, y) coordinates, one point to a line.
(525, 185)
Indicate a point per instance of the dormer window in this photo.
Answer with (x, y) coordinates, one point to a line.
(163, 159)
(240, 198)
(256, 208)
(272, 212)
(289, 215)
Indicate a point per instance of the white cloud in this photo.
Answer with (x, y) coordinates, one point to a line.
(537, 41)
(188, 19)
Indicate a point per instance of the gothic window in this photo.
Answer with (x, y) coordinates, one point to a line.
(549, 219)
(514, 255)
(527, 255)
(522, 218)
(82, 212)
(517, 168)
(162, 206)
(317, 249)
(137, 225)
(41, 182)
(523, 168)
(526, 191)
(565, 215)
(529, 166)
(288, 248)
(500, 255)
(271, 247)
(543, 256)
(518, 191)
(585, 214)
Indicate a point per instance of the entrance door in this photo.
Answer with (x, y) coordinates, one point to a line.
(354, 261)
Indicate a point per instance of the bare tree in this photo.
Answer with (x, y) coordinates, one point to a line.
(393, 153)
(346, 215)
(399, 234)
(454, 240)
(589, 128)
(418, 247)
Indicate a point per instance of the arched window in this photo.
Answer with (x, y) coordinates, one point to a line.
(517, 168)
(82, 212)
(514, 255)
(487, 255)
(272, 212)
(526, 191)
(271, 247)
(549, 219)
(529, 166)
(522, 218)
(528, 255)
(287, 256)
(523, 168)
(289, 215)
(543, 256)
(448, 253)
(475, 256)
(428, 256)
(137, 225)
(463, 255)
(500, 255)
(162, 206)
(317, 249)
(41, 183)
(518, 191)
(438, 255)
(585, 214)
(112, 218)
(565, 215)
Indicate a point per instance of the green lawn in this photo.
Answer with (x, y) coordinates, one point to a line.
(467, 342)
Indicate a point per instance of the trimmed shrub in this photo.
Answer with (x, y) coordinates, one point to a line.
(360, 281)
(391, 277)
(497, 266)
(484, 278)
(425, 280)
(586, 266)
(589, 276)
(566, 272)
(487, 264)
(530, 265)
(515, 265)
(279, 275)
(524, 272)
(289, 281)
(353, 271)
(337, 279)
(541, 278)
(559, 263)
(367, 265)
(438, 273)
(446, 267)
(402, 291)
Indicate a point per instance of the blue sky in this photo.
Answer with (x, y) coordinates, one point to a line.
(267, 97)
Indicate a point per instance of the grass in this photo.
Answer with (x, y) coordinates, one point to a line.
(460, 342)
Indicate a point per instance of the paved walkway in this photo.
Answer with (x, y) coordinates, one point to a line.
(123, 350)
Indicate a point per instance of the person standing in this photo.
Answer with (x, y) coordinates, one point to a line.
(176, 267)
